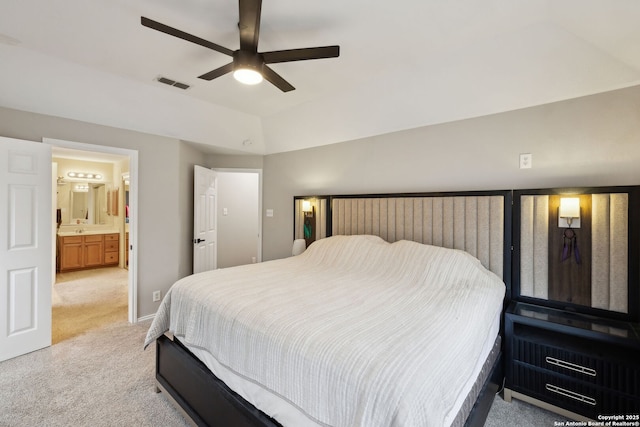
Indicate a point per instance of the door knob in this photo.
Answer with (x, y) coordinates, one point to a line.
(196, 241)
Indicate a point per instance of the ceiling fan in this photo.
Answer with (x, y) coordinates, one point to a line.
(249, 66)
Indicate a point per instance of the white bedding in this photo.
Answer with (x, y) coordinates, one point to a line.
(353, 332)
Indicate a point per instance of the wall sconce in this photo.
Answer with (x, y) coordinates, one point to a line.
(84, 175)
(569, 212)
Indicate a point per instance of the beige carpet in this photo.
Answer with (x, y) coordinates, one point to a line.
(101, 378)
(88, 299)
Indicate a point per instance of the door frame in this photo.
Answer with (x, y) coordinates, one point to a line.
(259, 172)
(133, 211)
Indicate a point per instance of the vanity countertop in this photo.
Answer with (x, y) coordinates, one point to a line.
(83, 232)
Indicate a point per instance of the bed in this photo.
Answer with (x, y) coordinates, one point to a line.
(359, 330)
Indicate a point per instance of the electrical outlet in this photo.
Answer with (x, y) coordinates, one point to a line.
(526, 160)
(156, 296)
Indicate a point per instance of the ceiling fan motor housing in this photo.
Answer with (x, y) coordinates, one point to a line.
(247, 60)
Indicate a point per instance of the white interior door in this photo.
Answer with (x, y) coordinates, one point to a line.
(205, 233)
(25, 249)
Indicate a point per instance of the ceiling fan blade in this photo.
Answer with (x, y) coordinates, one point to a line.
(217, 72)
(150, 23)
(249, 24)
(276, 80)
(301, 54)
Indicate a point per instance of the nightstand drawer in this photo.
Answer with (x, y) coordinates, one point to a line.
(600, 364)
(573, 395)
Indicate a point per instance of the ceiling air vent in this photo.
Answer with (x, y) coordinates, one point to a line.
(170, 82)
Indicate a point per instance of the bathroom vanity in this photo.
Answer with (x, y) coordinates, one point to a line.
(93, 249)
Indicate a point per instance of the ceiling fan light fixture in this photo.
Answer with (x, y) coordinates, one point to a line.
(247, 76)
(249, 66)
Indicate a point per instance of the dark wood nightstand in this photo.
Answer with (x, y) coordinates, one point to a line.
(576, 365)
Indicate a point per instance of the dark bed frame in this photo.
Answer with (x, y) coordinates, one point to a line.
(205, 400)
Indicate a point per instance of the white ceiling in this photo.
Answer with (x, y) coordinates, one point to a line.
(403, 64)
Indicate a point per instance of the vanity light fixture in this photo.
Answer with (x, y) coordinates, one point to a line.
(569, 212)
(84, 188)
(86, 175)
(306, 206)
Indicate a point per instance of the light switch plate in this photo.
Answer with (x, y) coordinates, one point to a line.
(269, 212)
(526, 160)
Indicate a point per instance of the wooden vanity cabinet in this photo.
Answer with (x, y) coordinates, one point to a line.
(111, 249)
(80, 252)
(70, 253)
(93, 251)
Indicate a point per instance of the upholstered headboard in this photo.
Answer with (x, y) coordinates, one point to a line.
(473, 223)
(476, 222)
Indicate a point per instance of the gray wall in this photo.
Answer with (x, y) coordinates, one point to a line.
(165, 187)
(587, 141)
(239, 162)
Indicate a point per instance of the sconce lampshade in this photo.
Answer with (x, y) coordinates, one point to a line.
(306, 206)
(569, 212)
(570, 207)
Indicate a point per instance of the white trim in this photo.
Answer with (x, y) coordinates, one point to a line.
(133, 203)
(147, 317)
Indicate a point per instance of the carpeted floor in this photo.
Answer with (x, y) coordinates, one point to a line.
(88, 299)
(100, 378)
(520, 414)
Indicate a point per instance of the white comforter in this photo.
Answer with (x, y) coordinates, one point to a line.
(354, 332)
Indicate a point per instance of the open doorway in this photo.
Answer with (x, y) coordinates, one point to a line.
(239, 221)
(95, 235)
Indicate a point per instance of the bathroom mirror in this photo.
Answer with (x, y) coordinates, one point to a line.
(87, 203)
(79, 205)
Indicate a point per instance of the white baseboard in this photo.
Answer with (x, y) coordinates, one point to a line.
(147, 317)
